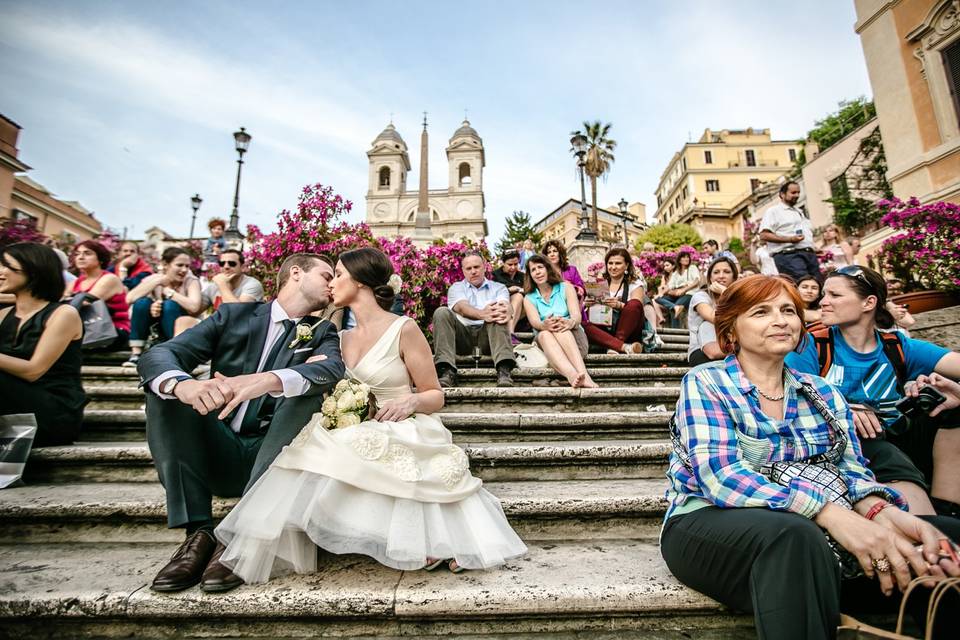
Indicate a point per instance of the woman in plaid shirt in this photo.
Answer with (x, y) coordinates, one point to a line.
(773, 559)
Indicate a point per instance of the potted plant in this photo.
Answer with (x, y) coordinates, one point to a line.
(923, 255)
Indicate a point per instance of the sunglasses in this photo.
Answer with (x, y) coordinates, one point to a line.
(228, 263)
(857, 273)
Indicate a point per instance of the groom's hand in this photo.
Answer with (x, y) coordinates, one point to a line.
(205, 396)
(247, 387)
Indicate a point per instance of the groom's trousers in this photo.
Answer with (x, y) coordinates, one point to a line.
(198, 457)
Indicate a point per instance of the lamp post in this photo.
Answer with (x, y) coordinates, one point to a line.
(579, 144)
(195, 203)
(242, 141)
(624, 216)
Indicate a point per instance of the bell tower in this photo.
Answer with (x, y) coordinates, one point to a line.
(465, 159)
(389, 163)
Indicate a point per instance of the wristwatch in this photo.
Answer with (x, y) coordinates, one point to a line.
(168, 293)
(168, 385)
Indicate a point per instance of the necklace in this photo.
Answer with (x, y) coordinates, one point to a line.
(770, 398)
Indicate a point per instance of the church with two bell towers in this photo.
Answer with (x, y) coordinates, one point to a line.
(426, 214)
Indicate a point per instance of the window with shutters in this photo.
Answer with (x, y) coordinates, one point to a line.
(713, 185)
(793, 154)
(951, 63)
(751, 158)
(708, 157)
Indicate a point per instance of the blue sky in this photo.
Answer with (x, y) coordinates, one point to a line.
(129, 107)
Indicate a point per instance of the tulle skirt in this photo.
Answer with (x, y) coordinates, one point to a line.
(277, 527)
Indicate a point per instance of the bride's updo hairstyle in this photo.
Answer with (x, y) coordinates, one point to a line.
(372, 268)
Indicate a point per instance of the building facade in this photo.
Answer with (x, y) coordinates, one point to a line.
(912, 51)
(454, 212)
(706, 179)
(563, 223)
(21, 197)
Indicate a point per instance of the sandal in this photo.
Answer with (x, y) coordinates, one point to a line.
(433, 563)
(454, 567)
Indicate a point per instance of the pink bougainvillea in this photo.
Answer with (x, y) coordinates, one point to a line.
(14, 230)
(315, 227)
(924, 254)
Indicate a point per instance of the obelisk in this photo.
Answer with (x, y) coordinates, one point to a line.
(422, 234)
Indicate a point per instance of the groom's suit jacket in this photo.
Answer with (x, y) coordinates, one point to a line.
(233, 340)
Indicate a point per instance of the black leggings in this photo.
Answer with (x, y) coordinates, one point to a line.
(779, 567)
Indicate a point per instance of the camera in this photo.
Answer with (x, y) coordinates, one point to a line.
(922, 404)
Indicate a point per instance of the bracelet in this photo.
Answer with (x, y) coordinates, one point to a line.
(877, 508)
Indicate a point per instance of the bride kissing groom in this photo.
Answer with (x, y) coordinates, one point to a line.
(254, 429)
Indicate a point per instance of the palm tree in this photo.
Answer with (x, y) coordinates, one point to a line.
(598, 159)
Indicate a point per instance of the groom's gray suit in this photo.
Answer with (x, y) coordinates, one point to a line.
(199, 456)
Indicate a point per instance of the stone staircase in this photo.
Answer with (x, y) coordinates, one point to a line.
(579, 473)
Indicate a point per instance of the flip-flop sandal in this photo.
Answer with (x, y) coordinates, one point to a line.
(433, 564)
(454, 567)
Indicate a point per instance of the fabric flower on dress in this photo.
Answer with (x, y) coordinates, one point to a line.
(403, 462)
(369, 444)
(450, 466)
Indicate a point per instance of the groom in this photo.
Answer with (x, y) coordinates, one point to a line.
(217, 436)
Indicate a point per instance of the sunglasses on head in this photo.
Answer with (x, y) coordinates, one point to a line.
(228, 263)
(857, 273)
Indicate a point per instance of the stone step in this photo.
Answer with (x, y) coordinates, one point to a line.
(604, 590)
(467, 377)
(87, 462)
(462, 399)
(598, 360)
(136, 512)
(128, 425)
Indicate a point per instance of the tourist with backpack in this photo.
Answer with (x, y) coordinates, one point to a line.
(908, 448)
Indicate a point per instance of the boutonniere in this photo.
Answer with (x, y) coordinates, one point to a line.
(304, 333)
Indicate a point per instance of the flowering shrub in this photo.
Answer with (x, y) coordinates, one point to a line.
(427, 273)
(13, 230)
(924, 254)
(109, 239)
(648, 264)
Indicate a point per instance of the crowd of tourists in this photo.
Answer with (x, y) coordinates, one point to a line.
(815, 451)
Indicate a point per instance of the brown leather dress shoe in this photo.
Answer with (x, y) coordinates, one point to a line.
(218, 578)
(187, 564)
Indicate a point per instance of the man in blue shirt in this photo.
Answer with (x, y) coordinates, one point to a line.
(476, 317)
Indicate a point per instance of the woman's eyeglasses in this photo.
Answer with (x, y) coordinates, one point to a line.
(228, 263)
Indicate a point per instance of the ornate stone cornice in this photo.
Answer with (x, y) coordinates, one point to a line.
(942, 22)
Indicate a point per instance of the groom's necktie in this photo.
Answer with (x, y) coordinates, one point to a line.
(264, 404)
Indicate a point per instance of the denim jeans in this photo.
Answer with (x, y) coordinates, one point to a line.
(141, 320)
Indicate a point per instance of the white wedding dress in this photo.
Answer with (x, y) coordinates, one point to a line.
(398, 492)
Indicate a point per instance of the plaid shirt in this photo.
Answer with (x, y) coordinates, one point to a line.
(728, 437)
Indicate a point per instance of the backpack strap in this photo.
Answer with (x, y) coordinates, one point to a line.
(824, 344)
(893, 349)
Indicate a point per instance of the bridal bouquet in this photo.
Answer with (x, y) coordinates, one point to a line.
(350, 404)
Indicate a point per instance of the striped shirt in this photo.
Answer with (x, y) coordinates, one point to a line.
(728, 438)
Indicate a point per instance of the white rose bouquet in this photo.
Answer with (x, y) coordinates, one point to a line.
(349, 404)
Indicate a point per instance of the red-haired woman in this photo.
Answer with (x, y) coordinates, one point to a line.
(91, 259)
(766, 461)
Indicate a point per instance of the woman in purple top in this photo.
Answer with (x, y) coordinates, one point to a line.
(556, 254)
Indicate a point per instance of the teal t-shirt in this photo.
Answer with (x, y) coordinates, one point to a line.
(869, 378)
(555, 306)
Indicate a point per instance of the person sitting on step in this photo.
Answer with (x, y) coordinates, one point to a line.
(130, 266)
(616, 322)
(475, 318)
(684, 279)
(96, 283)
(40, 345)
(552, 308)
(809, 288)
(230, 285)
(703, 345)
(872, 368)
(556, 254)
(161, 299)
(766, 461)
(271, 364)
(510, 276)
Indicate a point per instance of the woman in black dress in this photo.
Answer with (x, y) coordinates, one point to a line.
(40, 345)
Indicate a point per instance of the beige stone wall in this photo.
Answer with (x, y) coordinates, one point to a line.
(902, 44)
(821, 169)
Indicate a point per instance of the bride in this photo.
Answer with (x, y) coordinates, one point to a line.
(394, 488)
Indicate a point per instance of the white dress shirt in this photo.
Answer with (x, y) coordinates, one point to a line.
(293, 383)
(784, 220)
(477, 297)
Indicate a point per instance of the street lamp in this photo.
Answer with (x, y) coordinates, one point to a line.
(624, 216)
(195, 202)
(242, 141)
(579, 144)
